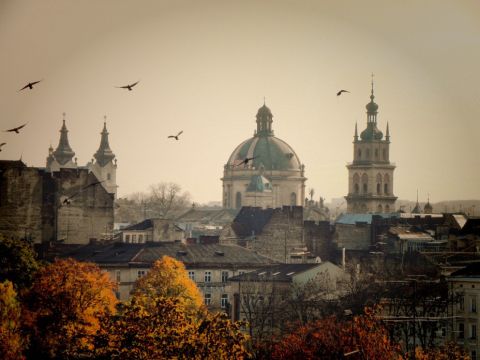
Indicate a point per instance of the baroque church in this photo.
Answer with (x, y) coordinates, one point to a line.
(370, 175)
(273, 175)
(103, 166)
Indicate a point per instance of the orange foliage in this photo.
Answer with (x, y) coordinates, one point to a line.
(10, 340)
(330, 338)
(168, 278)
(165, 331)
(449, 351)
(64, 308)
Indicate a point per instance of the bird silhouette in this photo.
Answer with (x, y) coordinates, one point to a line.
(129, 87)
(15, 130)
(246, 160)
(1, 145)
(30, 85)
(176, 136)
(68, 199)
(342, 91)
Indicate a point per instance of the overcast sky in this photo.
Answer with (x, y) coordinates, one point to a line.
(205, 66)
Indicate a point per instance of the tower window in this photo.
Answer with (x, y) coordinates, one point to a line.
(385, 189)
(365, 188)
(356, 188)
(368, 153)
(379, 208)
(238, 200)
(359, 153)
(109, 177)
(384, 154)
(293, 199)
(376, 153)
(379, 188)
(387, 209)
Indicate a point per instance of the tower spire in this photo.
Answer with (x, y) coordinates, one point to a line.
(355, 137)
(104, 154)
(387, 134)
(64, 152)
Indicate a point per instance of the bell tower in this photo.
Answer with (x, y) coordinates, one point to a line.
(370, 175)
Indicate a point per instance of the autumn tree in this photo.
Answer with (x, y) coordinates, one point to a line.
(334, 338)
(11, 341)
(64, 307)
(448, 351)
(17, 261)
(168, 279)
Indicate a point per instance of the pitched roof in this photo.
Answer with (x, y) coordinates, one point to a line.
(205, 216)
(472, 270)
(143, 225)
(251, 220)
(352, 219)
(277, 273)
(213, 255)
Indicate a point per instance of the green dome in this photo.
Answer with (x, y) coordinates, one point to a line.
(371, 132)
(270, 153)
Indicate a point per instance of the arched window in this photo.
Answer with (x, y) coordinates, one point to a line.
(387, 208)
(359, 153)
(379, 188)
(238, 200)
(356, 188)
(293, 199)
(365, 183)
(385, 189)
(379, 208)
(386, 186)
(364, 208)
(356, 183)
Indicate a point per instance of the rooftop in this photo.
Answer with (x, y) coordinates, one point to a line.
(280, 273)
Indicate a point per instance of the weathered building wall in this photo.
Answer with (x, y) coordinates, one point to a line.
(282, 235)
(31, 204)
(318, 238)
(352, 237)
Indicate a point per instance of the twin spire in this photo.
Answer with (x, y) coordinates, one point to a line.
(64, 153)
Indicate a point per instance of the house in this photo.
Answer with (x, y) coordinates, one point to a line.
(208, 265)
(152, 230)
(464, 284)
(263, 297)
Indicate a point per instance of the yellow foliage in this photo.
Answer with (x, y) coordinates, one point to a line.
(168, 279)
(10, 339)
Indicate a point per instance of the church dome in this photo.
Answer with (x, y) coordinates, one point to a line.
(371, 133)
(268, 152)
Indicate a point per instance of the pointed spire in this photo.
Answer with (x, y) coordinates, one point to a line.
(387, 134)
(104, 154)
(355, 137)
(64, 153)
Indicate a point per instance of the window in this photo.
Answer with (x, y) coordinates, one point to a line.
(461, 303)
(368, 153)
(208, 276)
(473, 304)
(191, 275)
(376, 153)
(109, 177)
(461, 330)
(238, 200)
(127, 238)
(140, 273)
(208, 299)
(224, 276)
(134, 238)
(384, 154)
(473, 331)
(385, 189)
(224, 301)
(118, 274)
(293, 199)
(241, 272)
(356, 188)
(359, 153)
(365, 188)
(140, 238)
(379, 189)
(474, 355)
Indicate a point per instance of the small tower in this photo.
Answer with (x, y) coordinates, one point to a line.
(428, 208)
(63, 154)
(370, 175)
(104, 166)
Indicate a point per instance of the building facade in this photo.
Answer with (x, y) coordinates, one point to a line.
(370, 175)
(263, 171)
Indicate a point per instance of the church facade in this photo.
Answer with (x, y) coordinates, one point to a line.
(263, 171)
(370, 175)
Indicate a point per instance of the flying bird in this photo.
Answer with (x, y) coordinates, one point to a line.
(15, 130)
(1, 145)
(342, 91)
(129, 87)
(68, 199)
(246, 160)
(176, 136)
(30, 85)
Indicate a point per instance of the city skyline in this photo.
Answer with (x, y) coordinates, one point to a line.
(206, 68)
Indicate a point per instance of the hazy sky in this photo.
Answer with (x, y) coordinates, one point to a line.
(205, 67)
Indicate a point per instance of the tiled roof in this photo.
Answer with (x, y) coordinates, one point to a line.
(280, 272)
(143, 225)
(194, 254)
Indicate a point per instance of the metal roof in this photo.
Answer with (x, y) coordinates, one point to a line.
(280, 273)
(352, 219)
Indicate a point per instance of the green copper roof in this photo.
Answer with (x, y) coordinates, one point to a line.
(270, 153)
